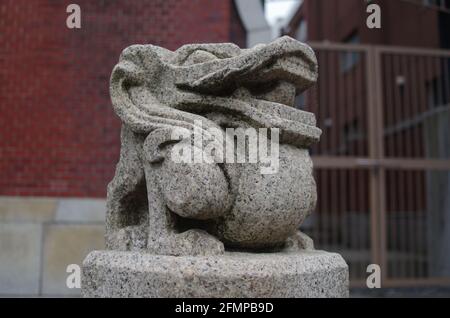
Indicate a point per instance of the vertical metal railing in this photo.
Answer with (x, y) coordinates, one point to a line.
(415, 101)
(383, 160)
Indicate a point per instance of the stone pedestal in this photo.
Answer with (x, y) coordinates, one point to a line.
(137, 274)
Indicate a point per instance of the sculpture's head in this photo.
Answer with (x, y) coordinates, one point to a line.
(152, 87)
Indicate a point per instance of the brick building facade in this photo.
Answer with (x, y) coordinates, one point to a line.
(59, 135)
(407, 23)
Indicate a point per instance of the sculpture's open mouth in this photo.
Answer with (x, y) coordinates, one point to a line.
(296, 70)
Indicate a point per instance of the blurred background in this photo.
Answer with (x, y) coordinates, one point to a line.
(382, 100)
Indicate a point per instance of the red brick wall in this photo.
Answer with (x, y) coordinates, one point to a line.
(58, 133)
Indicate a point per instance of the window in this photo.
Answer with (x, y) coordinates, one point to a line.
(438, 4)
(349, 59)
(300, 101)
(302, 31)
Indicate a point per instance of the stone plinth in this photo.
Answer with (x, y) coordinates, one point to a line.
(161, 204)
(137, 274)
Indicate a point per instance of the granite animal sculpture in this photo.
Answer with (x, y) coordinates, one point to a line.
(169, 208)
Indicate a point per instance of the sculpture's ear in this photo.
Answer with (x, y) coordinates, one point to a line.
(136, 64)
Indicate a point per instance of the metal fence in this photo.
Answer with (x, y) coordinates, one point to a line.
(383, 164)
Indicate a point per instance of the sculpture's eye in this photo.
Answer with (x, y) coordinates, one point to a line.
(199, 56)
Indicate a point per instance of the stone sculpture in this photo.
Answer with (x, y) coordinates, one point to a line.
(155, 91)
(188, 213)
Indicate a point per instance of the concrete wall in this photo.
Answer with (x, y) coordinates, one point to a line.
(252, 16)
(40, 237)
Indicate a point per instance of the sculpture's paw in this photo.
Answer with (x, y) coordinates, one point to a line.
(131, 238)
(199, 242)
(190, 243)
(299, 241)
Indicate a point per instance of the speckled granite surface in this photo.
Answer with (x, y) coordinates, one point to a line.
(168, 100)
(137, 274)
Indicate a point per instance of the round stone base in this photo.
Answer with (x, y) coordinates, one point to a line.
(137, 274)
